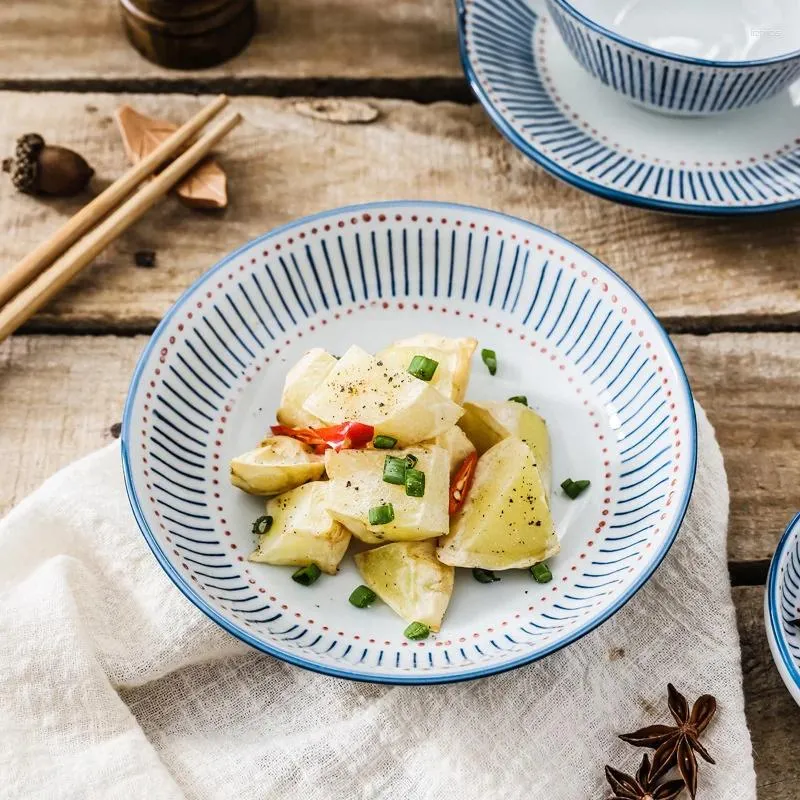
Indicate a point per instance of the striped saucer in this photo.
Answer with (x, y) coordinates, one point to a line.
(591, 136)
(569, 334)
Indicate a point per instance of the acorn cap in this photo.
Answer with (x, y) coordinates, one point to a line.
(24, 168)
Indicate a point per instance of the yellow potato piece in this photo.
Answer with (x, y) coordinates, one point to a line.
(505, 522)
(453, 356)
(301, 381)
(302, 531)
(456, 443)
(409, 579)
(526, 424)
(356, 478)
(481, 428)
(279, 464)
(361, 388)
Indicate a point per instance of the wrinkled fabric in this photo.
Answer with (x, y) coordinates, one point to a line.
(112, 685)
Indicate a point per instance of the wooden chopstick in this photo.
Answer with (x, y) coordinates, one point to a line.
(22, 273)
(53, 280)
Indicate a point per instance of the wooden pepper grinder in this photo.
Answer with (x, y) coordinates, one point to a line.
(188, 34)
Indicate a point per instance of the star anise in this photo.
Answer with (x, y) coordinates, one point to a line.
(676, 745)
(643, 786)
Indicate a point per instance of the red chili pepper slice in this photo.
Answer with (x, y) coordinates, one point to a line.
(461, 483)
(347, 436)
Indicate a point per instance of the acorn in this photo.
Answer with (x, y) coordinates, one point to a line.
(39, 168)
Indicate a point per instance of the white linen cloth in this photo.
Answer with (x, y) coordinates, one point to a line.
(112, 685)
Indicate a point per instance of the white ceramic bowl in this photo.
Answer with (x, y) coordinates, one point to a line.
(569, 334)
(782, 608)
(692, 57)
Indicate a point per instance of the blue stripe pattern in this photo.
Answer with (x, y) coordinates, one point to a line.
(533, 283)
(496, 44)
(783, 607)
(673, 85)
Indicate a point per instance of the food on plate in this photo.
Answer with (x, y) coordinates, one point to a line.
(363, 480)
(385, 448)
(278, 465)
(481, 427)
(525, 424)
(398, 404)
(301, 381)
(457, 445)
(302, 531)
(574, 488)
(505, 521)
(453, 357)
(409, 578)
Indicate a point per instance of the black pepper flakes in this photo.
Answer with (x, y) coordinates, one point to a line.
(116, 430)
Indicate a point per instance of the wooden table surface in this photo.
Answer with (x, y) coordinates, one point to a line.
(727, 289)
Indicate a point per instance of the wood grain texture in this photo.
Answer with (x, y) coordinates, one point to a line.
(60, 394)
(750, 386)
(772, 715)
(696, 273)
(83, 39)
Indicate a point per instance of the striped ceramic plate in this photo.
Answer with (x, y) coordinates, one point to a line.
(589, 135)
(782, 608)
(569, 334)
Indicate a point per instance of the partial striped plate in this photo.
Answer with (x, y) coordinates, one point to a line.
(782, 608)
(589, 135)
(569, 334)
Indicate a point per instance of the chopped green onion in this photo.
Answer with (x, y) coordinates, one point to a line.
(490, 359)
(541, 573)
(519, 398)
(305, 576)
(484, 575)
(573, 488)
(381, 515)
(262, 524)
(411, 461)
(384, 442)
(415, 483)
(362, 596)
(417, 630)
(394, 470)
(422, 367)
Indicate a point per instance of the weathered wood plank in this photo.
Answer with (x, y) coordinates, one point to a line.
(697, 274)
(325, 39)
(750, 385)
(772, 715)
(60, 394)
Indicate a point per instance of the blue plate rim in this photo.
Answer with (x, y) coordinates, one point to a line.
(336, 672)
(772, 601)
(510, 134)
(568, 8)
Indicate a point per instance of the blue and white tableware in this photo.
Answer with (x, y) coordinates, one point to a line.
(591, 136)
(782, 608)
(685, 56)
(568, 333)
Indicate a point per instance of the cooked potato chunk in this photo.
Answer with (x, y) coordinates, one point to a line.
(456, 443)
(357, 485)
(526, 424)
(363, 388)
(453, 355)
(482, 429)
(505, 522)
(302, 531)
(279, 464)
(409, 579)
(301, 381)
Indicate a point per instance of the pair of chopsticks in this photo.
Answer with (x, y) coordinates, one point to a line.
(44, 272)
